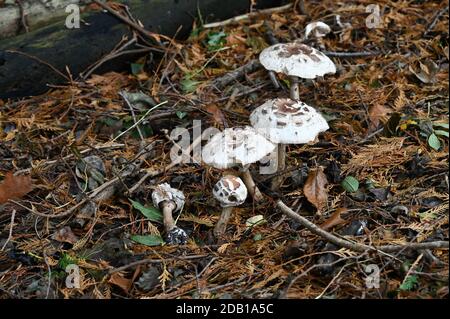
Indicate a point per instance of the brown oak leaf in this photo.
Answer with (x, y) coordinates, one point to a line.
(315, 189)
(14, 187)
(335, 219)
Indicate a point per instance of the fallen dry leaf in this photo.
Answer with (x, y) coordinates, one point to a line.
(427, 73)
(315, 189)
(65, 235)
(14, 187)
(335, 219)
(120, 281)
(377, 113)
(217, 114)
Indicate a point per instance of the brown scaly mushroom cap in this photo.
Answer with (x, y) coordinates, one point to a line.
(236, 146)
(288, 121)
(163, 192)
(296, 59)
(230, 191)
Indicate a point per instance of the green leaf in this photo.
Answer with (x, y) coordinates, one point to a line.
(181, 114)
(257, 237)
(148, 240)
(350, 184)
(136, 68)
(151, 213)
(216, 40)
(255, 221)
(434, 142)
(109, 121)
(443, 125)
(441, 133)
(66, 260)
(375, 84)
(188, 85)
(409, 283)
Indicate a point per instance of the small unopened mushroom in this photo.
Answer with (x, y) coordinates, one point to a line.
(230, 191)
(170, 200)
(318, 30)
(284, 121)
(238, 147)
(296, 60)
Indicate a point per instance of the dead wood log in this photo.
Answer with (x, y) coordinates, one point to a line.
(21, 75)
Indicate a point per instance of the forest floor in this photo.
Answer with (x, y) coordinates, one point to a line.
(379, 175)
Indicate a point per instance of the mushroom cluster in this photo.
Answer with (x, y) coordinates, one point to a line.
(290, 121)
(278, 122)
(235, 147)
(284, 121)
(238, 147)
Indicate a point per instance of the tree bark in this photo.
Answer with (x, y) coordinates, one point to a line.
(36, 14)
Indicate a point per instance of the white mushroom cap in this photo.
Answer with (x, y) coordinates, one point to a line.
(296, 59)
(236, 146)
(287, 121)
(163, 192)
(230, 191)
(317, 28)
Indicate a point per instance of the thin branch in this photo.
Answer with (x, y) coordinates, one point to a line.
(357, 246)
(246, 16)
(23, 19)
(137, 27)
(229, 77)
(333, 54)
(132, 114)
(40, 61)
(11, 226)
(435, 20)
(49, 276)
(139, 121)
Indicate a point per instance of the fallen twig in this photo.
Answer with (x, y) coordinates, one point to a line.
(357, 246)
(139, 121)
(333, 54)
(115, 53)
(11, 226)
(246, 16)
(135, 26)
(132, 114)
(40, 61)
(23, 19)
(229, 77)
(435, 20)
(243, 93)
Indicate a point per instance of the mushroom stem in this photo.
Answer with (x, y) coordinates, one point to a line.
(222, 223)
(274, 80)
(281, 161)
(320, 43)
(295, 93)
(251, 186)
(167, 209)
